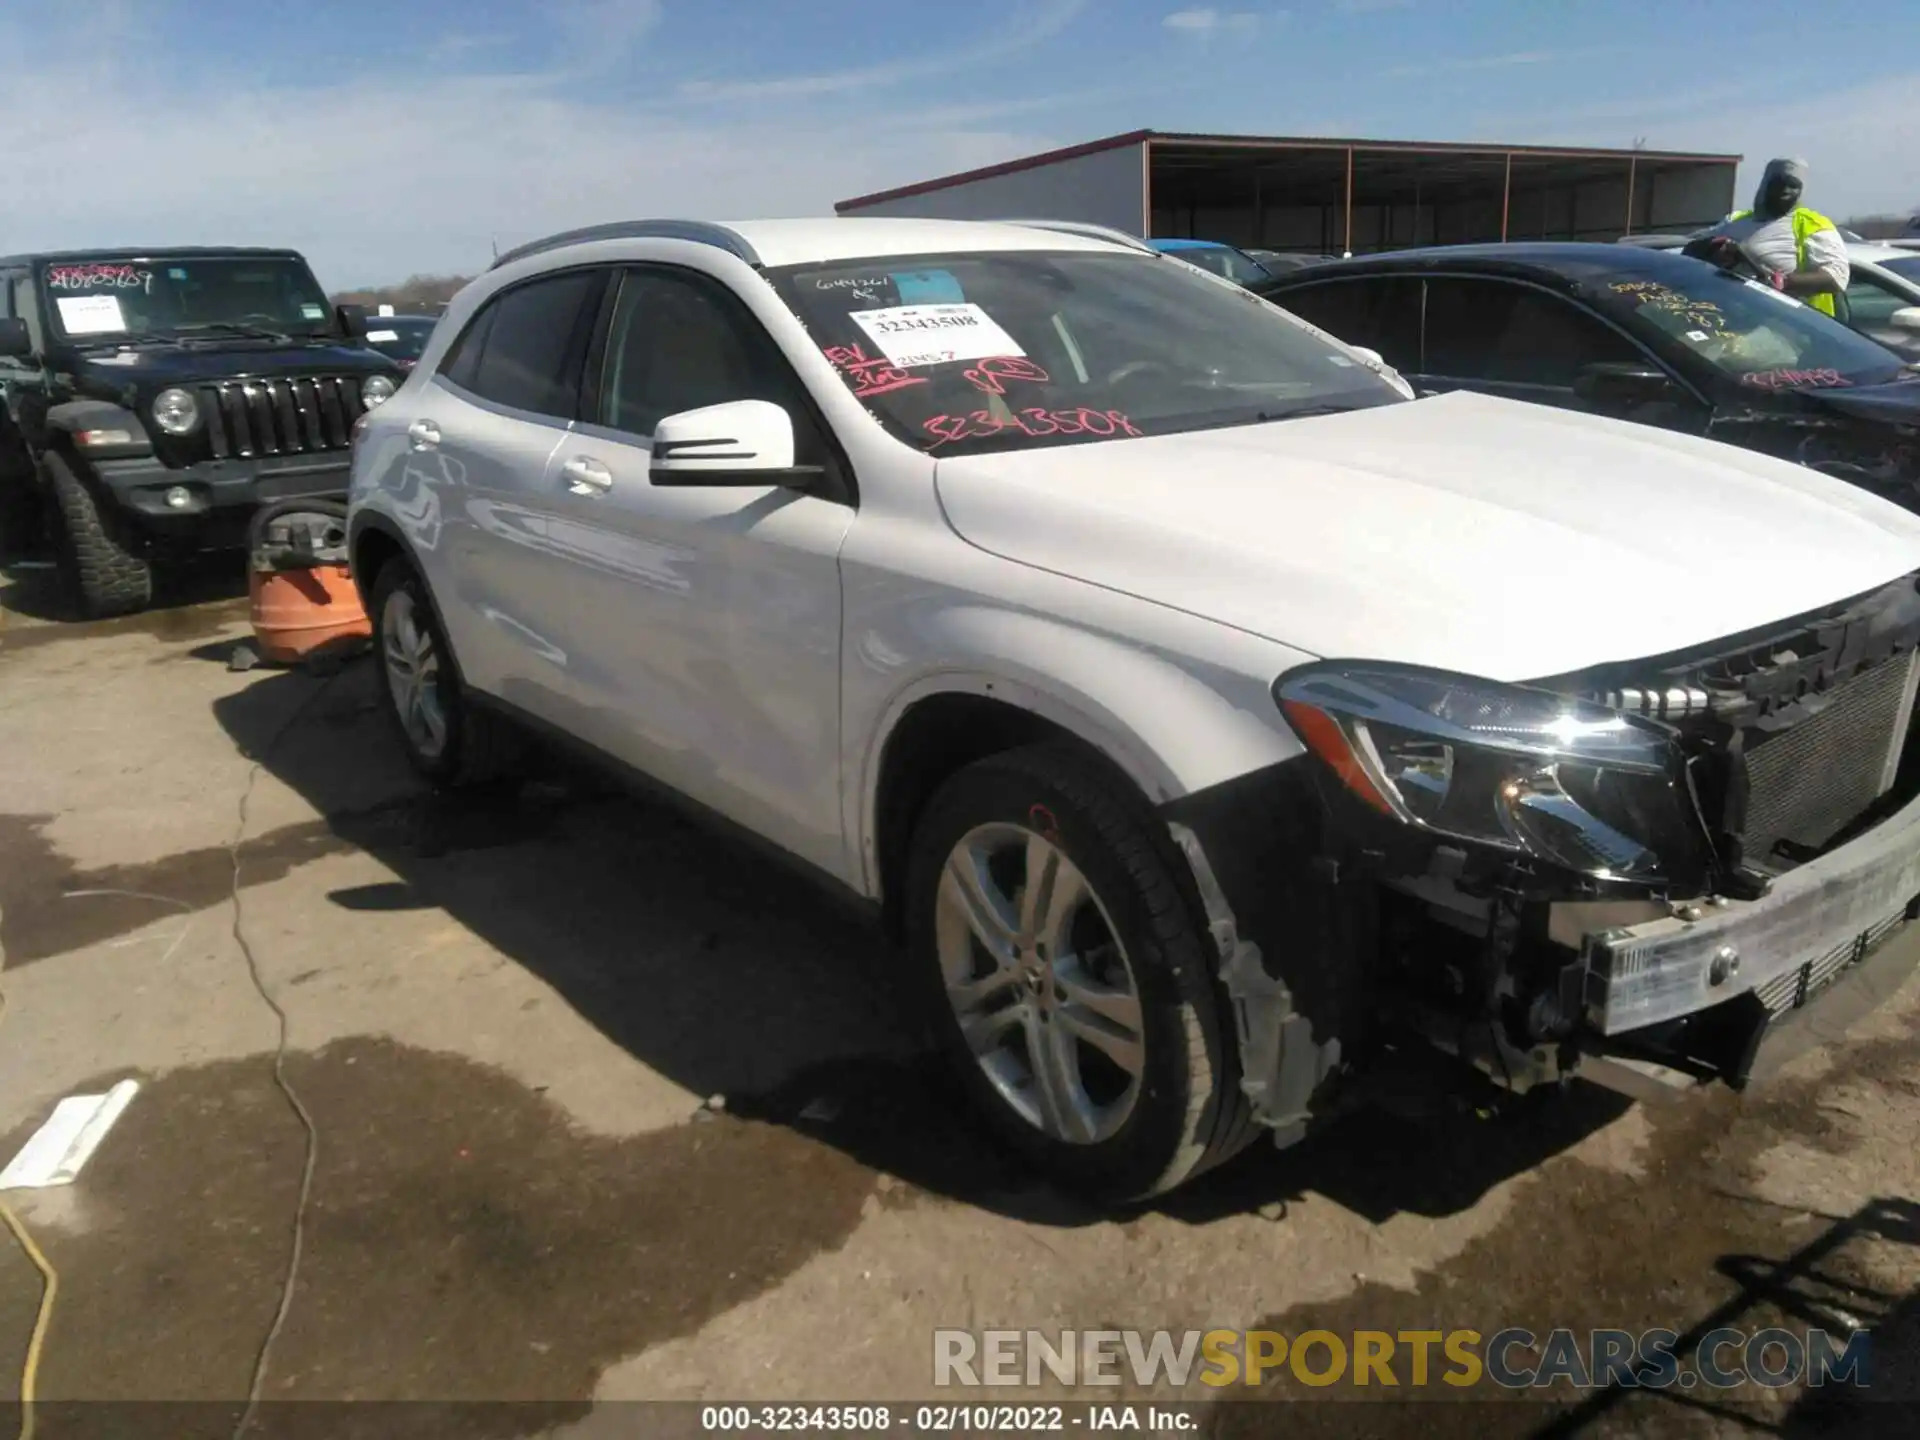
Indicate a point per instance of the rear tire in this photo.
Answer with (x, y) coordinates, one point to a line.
(1110, 969)
(103, 576)
(448, 740)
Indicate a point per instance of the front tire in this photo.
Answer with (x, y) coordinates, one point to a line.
(103, 576)
(1067, 979)
(447, 739)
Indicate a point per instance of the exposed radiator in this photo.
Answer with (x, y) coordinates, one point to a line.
(1808, 782)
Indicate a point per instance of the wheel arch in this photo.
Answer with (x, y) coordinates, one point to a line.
(373, 540)
(1158, 726)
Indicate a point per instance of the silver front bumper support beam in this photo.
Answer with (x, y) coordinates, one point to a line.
(1816, 924)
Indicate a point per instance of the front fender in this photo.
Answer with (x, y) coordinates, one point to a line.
(1173, 723)
(72, 417)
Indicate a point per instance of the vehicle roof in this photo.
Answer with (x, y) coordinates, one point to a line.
(161, 252)
(775, 243)
(1183, 243)
(1569, 259)
(1876, 254)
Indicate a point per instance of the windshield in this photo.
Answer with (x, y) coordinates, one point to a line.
(119, 300)
(1239, 268)
(1907, 267)
(1023, 349)
(1747, 330)
(401, 339)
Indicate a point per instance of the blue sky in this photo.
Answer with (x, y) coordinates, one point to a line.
(407, 135)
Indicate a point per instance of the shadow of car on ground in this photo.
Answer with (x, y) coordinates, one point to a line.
(722, 971)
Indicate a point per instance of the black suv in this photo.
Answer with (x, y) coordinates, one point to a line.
(154, 399)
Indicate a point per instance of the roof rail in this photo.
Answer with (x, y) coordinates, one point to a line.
(700, 232)
(1090, 231)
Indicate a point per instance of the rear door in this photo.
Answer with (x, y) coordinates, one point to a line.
(483, 437)
(1502, 337)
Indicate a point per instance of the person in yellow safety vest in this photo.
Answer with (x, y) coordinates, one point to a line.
(1796, 250)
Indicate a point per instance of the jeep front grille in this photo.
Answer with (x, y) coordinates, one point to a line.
(1806, 783)
(246, 418)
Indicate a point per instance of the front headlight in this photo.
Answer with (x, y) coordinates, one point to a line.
(1557, 779)
(376, 390)
(176, 411)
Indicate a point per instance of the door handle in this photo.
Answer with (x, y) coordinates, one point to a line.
(586, 476)
(424, 434)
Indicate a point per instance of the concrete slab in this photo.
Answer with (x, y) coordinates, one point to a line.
(506, 1009)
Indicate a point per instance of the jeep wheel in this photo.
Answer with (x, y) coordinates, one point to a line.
(101, 574)
(1066, 976)
(446, 739)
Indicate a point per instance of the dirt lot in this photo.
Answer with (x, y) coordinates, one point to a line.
(505, 1011)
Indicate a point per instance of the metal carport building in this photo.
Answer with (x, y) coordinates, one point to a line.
(1329, 196)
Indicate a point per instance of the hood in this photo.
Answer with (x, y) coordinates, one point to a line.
(1896, 403)
(1485, 536)
(151, 368)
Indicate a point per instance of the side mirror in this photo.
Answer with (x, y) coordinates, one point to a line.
(1367, 353)
(16, 343)
(1905, 318)
(1614, 384)
(353, 320)
(739, 443)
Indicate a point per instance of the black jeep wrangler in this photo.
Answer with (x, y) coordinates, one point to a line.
(154, 399)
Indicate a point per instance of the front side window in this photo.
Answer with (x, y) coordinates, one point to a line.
(676, 343)
(1748, 331)
(525, 351)
(130, 299)
(1906, 267)
(1495, 330)
(1021, 349)
(1870, 302)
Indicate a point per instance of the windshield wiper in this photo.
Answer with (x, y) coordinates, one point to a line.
(224, 327)
(124, 342)
(1303, 412)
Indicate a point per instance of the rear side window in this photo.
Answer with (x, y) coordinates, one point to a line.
(1513, 334)
(1380, 314)
(526, 349)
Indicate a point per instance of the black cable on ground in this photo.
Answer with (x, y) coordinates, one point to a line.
(294, 1102)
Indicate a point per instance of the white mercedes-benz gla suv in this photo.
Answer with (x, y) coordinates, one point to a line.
(1193, 705)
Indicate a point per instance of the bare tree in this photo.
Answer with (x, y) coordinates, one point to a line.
(417, 294)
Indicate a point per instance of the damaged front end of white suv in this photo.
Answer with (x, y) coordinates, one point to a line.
(1648, 874)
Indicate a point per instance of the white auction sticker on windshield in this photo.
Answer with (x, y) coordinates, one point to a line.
(90, 314)
(377, 335)
(910, 335)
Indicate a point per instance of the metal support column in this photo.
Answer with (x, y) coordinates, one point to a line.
(1506, 198)
(1347, 245)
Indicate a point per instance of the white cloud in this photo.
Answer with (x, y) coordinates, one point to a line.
(374, 182)
(1368, 7)
(1040, 22)
(1206, 23)
(1484, 62)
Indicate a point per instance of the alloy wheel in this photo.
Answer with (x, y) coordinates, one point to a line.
(1040, 983)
